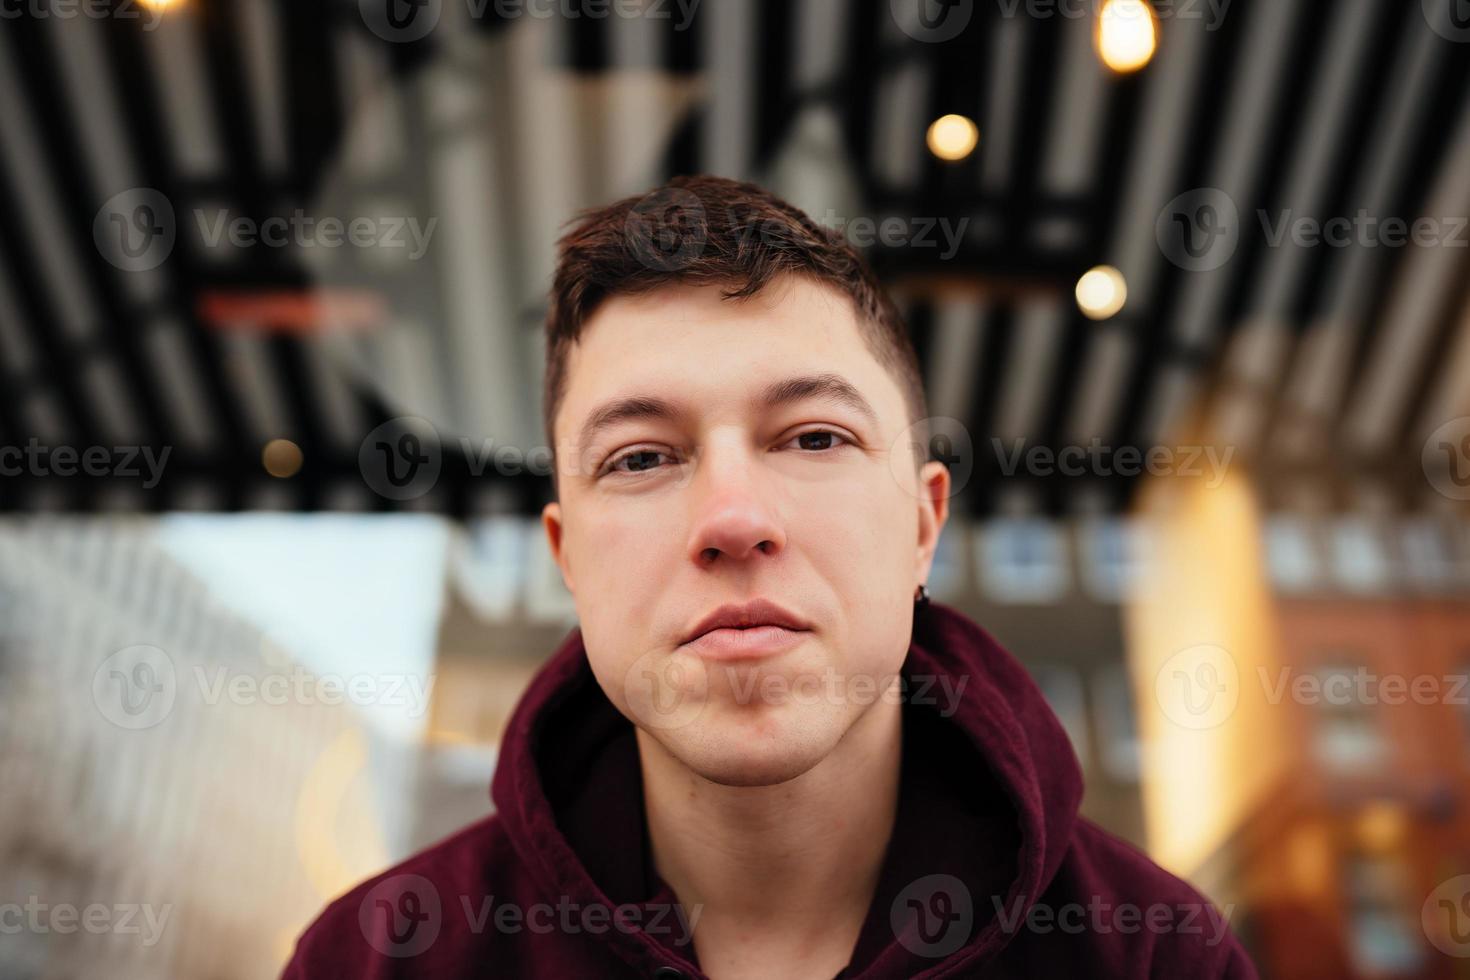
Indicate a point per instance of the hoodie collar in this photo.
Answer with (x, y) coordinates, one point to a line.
(988, 799)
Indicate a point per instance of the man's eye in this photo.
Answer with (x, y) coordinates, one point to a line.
(639, 461)
(818, 440)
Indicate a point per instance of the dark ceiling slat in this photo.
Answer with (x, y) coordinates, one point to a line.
(315, 126)
(1000, 330)
(13, 382)
(958, 85)
(1041, 46)
(588, 43)
(920, 320)
(1440, 108)
(1227, 64)
(775, 102)
(859, 78)
(55, 356)
(229, 96)
(1121, 115)
(116, 337)
(126, 58)
(682, 52)
(314, 123)
(1310, 299)
(1249, 266)
(1367, 101)
(1436, 362)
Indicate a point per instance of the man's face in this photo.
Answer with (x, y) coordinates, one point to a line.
(712, 492)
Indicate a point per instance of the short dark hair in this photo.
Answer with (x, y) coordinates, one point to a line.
(706, 230)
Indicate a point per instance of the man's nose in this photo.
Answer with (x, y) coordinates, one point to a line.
(734, 513)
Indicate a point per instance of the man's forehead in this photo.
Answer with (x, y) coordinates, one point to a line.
(783, 300)
(690, 337)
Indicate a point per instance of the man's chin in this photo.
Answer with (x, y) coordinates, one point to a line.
(741, 749)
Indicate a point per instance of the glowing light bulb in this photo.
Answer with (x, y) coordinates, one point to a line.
(1127, 34)
(1101, 292)
(953, 137)
(281, 458)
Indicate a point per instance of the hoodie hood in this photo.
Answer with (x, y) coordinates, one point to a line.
(988, 805)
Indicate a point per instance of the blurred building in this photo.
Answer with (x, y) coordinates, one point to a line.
(134, 779)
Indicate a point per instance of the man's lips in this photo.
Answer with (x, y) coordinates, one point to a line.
(747, 629)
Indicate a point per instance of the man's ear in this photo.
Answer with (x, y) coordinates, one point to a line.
(933, 512)
(551, 521)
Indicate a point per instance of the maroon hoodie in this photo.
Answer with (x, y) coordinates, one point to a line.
(989, 872)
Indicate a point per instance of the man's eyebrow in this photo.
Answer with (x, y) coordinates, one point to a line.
(624, 409)
(783, 392)
(830, 386)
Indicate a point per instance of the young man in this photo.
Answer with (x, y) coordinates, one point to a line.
(763, 753)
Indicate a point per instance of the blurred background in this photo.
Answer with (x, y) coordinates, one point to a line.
(1191, 288)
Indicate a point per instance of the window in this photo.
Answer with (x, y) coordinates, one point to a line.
(1348, 738)
(1062, 688)
(1382, 936)
(1022, 560)
(1117, 724)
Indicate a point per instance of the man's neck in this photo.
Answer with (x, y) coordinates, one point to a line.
(785, 873)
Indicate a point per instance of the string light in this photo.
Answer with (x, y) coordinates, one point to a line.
(281, 458)
(953, 137)
(1127, 34)
(1101, 292)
